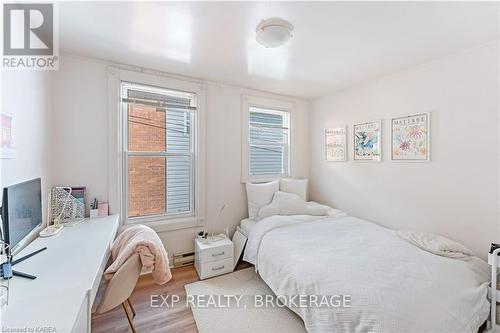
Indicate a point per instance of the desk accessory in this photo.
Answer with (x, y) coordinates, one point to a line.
(68, 209)
(50, 231)
(55, 228)
(94, 212)
(103, 209)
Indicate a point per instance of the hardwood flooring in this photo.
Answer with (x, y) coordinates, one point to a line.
(178, 319)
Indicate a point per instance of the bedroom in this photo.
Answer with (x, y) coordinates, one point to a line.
(343, 153)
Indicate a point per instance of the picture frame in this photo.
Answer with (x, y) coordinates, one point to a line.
(336, 144)
(7, 135)
(367, 141)
(410, 138)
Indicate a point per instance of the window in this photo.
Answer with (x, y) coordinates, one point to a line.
(159, 151)
(268, 143)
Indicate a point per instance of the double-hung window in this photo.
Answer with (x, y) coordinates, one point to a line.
(158, 151)
(268, 149)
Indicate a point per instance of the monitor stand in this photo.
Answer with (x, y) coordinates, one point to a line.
(6, 271)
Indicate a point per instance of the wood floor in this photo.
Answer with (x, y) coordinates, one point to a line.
(178, 319)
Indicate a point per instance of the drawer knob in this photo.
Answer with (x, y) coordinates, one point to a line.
(218, 254)
(217, 268)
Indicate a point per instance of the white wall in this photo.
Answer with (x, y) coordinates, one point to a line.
(457, 193)
(28, 96)
(80, 145)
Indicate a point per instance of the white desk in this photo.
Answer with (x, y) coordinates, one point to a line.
(68, 275)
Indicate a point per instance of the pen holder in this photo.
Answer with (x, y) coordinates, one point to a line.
(94, 213)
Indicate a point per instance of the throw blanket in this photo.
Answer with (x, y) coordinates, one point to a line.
(393, 285)
(143, 240)
(436, 244)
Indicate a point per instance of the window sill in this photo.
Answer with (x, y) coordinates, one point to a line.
(169, 224)
(262, 179)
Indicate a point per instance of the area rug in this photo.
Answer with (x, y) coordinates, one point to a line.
(216, 309)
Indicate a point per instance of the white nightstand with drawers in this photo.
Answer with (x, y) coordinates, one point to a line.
(213, 257)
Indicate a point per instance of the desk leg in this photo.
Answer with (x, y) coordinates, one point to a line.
(89, 313)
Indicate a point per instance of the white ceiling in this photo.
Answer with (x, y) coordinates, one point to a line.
(335, 44)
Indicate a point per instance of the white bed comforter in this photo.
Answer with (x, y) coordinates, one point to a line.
(394, 286)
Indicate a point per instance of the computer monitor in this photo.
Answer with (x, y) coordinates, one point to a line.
(21, 211)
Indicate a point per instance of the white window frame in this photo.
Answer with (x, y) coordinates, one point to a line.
(249, 101)
(128, 154)
(117, 150)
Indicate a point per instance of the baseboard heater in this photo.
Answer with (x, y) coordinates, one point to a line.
(183, 259)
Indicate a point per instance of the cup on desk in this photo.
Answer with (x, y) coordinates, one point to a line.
(95, 208)
(94, 213)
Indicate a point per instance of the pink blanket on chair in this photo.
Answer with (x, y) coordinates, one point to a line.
(143, 240)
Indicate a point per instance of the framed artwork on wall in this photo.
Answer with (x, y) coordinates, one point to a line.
(367, 141)
(410, 138)
(335, 144)
(8, 138)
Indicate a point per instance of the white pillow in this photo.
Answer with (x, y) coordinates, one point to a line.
(289, 204)
(259, 195)
(297, 186)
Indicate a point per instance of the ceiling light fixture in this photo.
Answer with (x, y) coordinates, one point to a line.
(273, 32)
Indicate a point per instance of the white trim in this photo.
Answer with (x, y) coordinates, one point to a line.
(116, 137)
(265, 103)
(114, 142)
(127, 154)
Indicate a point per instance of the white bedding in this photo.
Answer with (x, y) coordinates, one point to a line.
(394, 286)
(247, 225)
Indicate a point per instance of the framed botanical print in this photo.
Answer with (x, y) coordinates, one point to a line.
(367, 143)
(335, 144)
(410, 138)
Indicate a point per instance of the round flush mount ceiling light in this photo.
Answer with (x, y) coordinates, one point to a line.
(273, 32)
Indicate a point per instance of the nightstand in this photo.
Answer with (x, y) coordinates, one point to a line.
(213, 257)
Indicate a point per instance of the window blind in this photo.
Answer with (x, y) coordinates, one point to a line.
(178, 167)
(268, 142)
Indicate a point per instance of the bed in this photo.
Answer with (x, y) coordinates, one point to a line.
(246, 226)
(393, 285)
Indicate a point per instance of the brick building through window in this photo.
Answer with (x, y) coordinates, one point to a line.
(146, 175)
(159, 145)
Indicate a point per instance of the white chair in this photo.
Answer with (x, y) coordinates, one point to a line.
(120, 287)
